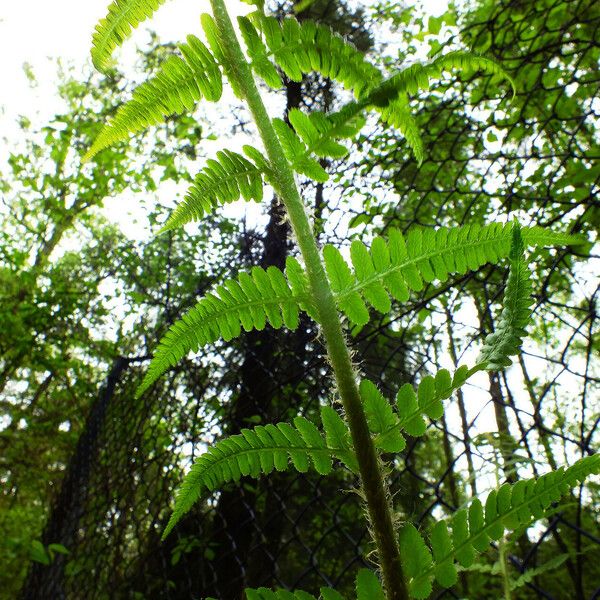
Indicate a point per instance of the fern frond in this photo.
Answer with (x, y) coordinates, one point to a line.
(398, 114)
(389, 268)
(392, 268)
(516, 312)
(387, 424)
(297, 154)
(381, 418)
(213, 37)
(508, 507)
(179, 84)
(221, 181)
(368, 587)
(263, 449)
(122, 18)
(300, 48)
(315, 134)
(418, 76)
(250, 302)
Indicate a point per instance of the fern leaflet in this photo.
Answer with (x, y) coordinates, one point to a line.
(394, 267)
(246, 303)
(122, 18)
(472, 529)
(387, 424)
(180, 82)
(516, 312)
(300, 48)
(222, 180)
(368, 587)
(263, 449)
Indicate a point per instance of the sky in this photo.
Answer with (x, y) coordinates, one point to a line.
(31, 31)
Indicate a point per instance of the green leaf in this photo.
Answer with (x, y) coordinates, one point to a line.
(368, 586)
(222, 181)
(122, 18)
(250, 302)
(180, 82)
(381, 418)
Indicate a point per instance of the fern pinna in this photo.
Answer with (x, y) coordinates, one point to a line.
(366, 428)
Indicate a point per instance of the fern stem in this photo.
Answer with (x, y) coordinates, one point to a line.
(372, 481)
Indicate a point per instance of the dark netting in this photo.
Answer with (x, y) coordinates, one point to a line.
(303, 531)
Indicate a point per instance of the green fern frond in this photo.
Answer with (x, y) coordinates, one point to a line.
(387, 424)
(221, 181)
(381, 418)
(122, 18)
(418, 76)
(260, 451)
(397, 114)
(213, 37)
(297, 154)
(180, 82)
(402, 263)
(301, 48)
(315, 134)
(389, 268)
(516, 312)
(470, 62)
(368, 587)
(259, 55)
(469, 531)
(250, 302)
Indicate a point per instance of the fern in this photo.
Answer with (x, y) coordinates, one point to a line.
(472, 529)
(411, 407)
(368, 587)
(180, 82)
(397, 113)
(122, 18)
(427, 399)
(515, 315)
(264, 296)
(394, 267)
(300, 48)
(297, 153)
(222, 180)
(260, 451)
(418, 76)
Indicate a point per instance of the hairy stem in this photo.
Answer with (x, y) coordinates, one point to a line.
(372, 481)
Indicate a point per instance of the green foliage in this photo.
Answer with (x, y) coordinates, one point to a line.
(418, 76)
(508, 507)
(179, 84)
(250, 302)
(374, 276)
(122, 18)
(394, 267)
(516, 311)
(388, 268)
(368, 587)
(300, 48)
(222, 180)
(263, 449)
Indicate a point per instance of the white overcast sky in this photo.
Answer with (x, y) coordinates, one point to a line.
(33, 30)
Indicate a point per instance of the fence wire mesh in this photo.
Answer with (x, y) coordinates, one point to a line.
(303, 531)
